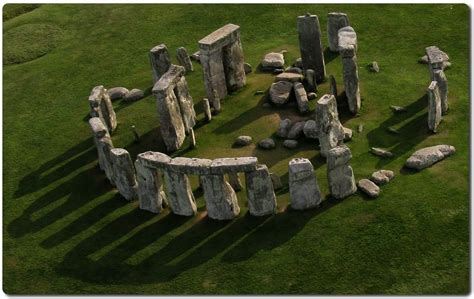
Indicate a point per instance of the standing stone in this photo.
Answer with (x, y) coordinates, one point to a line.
(311, 80)
(234, 181)
(332, 86)
(180, 196)
(351, 78)
(192, 138)
(159, 60)
(151, 195)
(336, 21)
(340, 175)
(101, 107)
(260, 194)
(434, 106)
(104, 145)
(304, 189)
(440, 78)
(207, 109)
(186, 105)
(124, 173)
(330, 130)
(183, 59)
(276, 181)
(221, 200)
(311, 47)
(301, 98)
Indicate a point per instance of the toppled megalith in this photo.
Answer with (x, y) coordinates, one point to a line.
(183, 59)
(428, 156)
(351, 77)
(104, 145)
(340, 175)
(311, 47)
(330, 130)
(124, 173)
(101, 107)
(260, 194)
(304, 189)
(151, 194)
(175, 107)
(222, 61)
(434, 106)
(159, 60)
(336, 21)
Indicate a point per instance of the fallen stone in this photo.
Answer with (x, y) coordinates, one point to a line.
(276, 181)
(267, 143)
(304, 189)
(374, 67)
(310, 129)
(247, 68)
(280, 92)
(183, 59)
(340, 174)
(301, 98)
(272, 61)
(436, 57)
(117, 93)
(428, 156)
(243, 140)
(289, 77)
(296, 130)
(381, 152)
(312, 96)
(398, 109)
(260, 194)
(134, 95)
(284, 128)
(291, 144)
(382, 177)
(347, 134)
(369, 188)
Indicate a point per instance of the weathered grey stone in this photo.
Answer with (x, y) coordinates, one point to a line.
(347, 134)
(243, 140)
(301, 97)
(330, 130)
(193, 166)
(291, 144)
(221, 200)
(423, 59)
(101, 107)
(234, 181)
(237, 164)
(154, 159)
(340, 175)
(351, 79)
(186, 105)
(332, 86)
(260, 194)
(442, 82)
(192, 138)
(434, 106)
(179, 193)
(310, 129)
(436, 58)
(280, 92)
(284, 128)
(428, 156)
(247, 68)
(398, 109)
(381, 152)
(304, 189)
(134, 95)
(276, 181)
(104, 144)
(374, 67)
(150, 191)
(289, 77)
(207, 109)
(347, 38)
(184, 60)
(124, 173)
(159, 60)
(311, 80)
(336, 21)
(98, 128)
(311, 47)
(369, 188)
(296, 130)
(272, 61)
(117, 93)
(267, 143)
(222, 61)
(382, 177)
(312, 96)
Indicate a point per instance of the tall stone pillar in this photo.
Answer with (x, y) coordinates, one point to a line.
(260, 194)
(159, 60)
(351, 78)
(214, 77)
(311, 47)
(233, 60)
(180, 195)
(186, 104)
(434, 106)
(304, 189)
(330, 130)
(340, 175)
(336, 21)
(183, 59)
(221, 200)
(442, 81)
(124, 173)
(101, 107)
(99, 131)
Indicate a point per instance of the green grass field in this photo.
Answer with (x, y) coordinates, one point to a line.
(67, 231)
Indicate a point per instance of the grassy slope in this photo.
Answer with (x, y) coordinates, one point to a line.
(67, 231)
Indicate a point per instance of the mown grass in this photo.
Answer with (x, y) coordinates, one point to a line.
(66, 230)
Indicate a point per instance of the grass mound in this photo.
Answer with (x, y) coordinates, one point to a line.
(28, 42)
(13, 10)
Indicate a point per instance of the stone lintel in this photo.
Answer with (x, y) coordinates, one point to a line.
(169, 79)
(194, 166)
(238, 164)
(154, 159)
(219, 38)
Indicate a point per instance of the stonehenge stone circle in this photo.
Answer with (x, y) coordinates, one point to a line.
(222, 61)
(351, 78)
(304, 189)
(434, 106)
(159, 60)
(428, 156)
(340, 175)
(183, 59)
(101, 107)
(124, 173)
(134, 95)
(330, 130)
(260, 194)
(336, 21)
(311, 46)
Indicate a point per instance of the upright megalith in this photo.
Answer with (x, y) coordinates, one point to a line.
(183, 59)
(124, 173)
(340, 175)
(186, 104)
(304, 189)
(221, 200)
(311, 47)
(159, 60)
(104, 145)
(442, 82)
(149, 167)
(301, 97)
(330, 129)
(260, 194)
(336, 21)
(207, 109)
(101, 107)
(351, 78)
(434, 106)
(222, 61)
